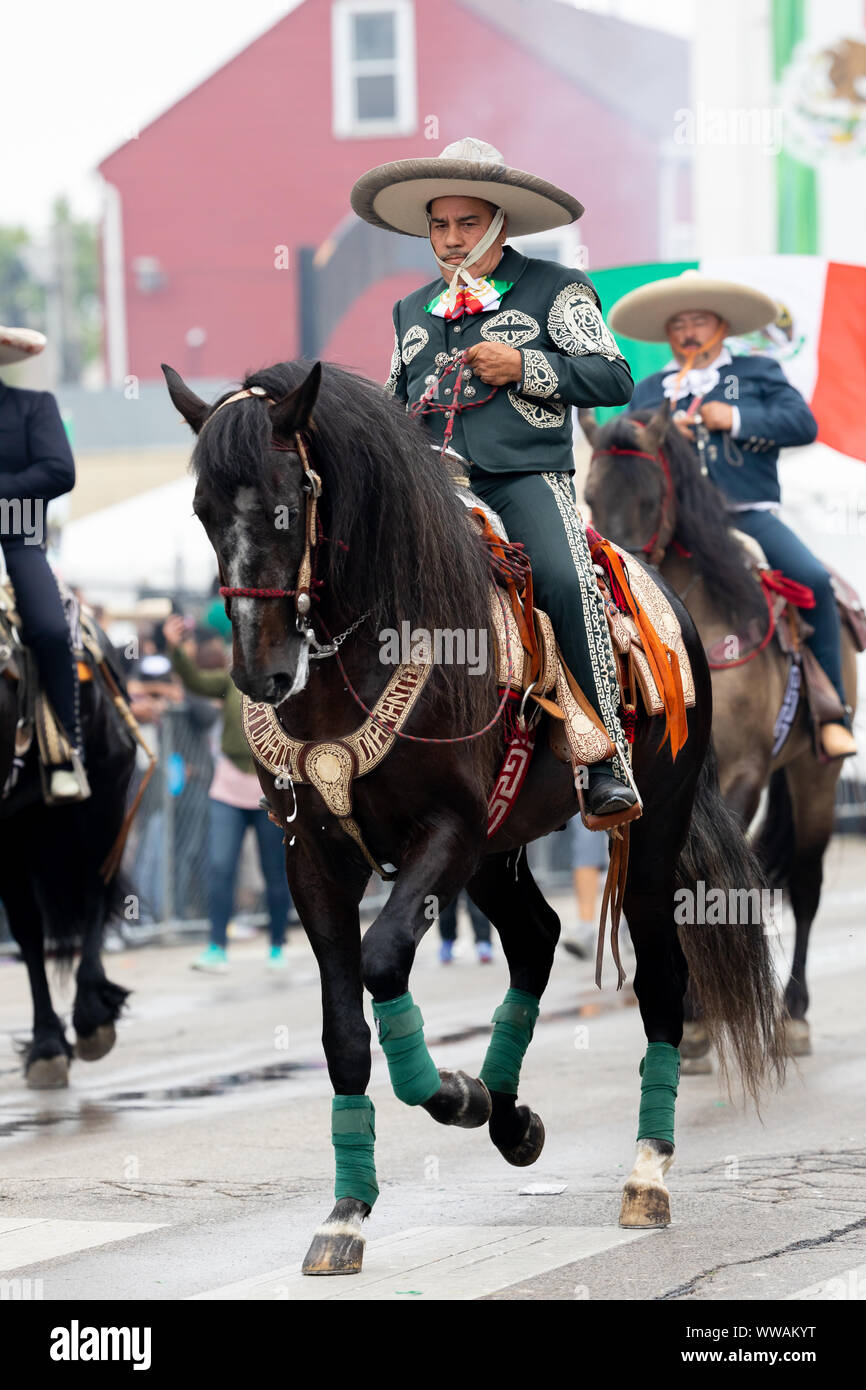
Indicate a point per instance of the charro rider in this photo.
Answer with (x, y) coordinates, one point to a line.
(535, 345)
(744, 410)
(36, 465)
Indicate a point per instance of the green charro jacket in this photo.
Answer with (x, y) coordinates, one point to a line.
(552, 315)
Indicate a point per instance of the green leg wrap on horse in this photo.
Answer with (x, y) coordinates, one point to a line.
(660, 1074)
(513, 1026)
(401, 1033)
(353, 1134)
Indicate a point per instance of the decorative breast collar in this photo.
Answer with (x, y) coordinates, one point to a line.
(332, 765)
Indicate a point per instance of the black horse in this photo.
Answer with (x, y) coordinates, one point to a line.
(56, 886)
(395, 545)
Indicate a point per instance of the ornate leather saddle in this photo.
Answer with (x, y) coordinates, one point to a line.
(645, 633)
(584, 738)
(785, 624)
(36, 718)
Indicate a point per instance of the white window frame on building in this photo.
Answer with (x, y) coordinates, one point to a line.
(347, 69)
(562, 244)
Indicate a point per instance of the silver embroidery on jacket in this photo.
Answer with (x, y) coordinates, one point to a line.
(511, 327)
(539, 378)
(396, 368)
(576, 326)
(543, 417)
(413, 340)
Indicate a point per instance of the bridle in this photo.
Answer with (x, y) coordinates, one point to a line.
(306, 581)
(654, 552)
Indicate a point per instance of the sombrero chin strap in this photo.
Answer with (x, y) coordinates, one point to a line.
(693, 354)
(461, 272)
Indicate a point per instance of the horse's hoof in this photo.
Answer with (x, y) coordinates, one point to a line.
(530, 1146)
(696, 1066)
(338, 1245)
(798, 1042)
(645, 1205)
(96, 1044)
(48, 1073)
(334, 1253)
(461, 1100)
(695, 1042)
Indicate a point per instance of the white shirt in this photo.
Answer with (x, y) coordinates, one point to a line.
(698, 381)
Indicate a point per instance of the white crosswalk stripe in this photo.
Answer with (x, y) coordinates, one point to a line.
(26, 1242)
(849, 1286)
(438, 1262)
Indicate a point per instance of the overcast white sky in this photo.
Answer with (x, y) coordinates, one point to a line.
(80, 76)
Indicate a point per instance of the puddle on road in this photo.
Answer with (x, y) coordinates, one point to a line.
(274, 1071)
(91, 1114)
(589, 1005)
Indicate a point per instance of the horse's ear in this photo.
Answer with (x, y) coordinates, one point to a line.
(656, 427)
(589, 425)
(193, 409)
(292, 412)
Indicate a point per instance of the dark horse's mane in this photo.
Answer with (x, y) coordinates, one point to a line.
(411, 552)
(702, 527)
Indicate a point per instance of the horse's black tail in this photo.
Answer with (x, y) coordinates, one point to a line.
(728, 956)
(775, 843)
(65, 847)
(73, 896)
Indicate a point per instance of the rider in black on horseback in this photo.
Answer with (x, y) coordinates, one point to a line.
(493, 356)
(36, 465)
(739, 411)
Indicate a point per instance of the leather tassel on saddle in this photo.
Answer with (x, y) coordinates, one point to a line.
(612, 898)
(510, 567)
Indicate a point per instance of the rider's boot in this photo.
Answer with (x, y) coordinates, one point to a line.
(837, 741)
(605, 795)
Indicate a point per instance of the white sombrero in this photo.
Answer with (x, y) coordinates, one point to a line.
(644, 312)
(18, 343)
(395, 195)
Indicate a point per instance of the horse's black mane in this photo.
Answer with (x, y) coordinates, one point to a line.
(412, 553)
(702, 525)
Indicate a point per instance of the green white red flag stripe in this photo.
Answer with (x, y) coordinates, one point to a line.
(821, 348)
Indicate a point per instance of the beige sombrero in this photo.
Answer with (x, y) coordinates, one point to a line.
(18, 343)
(644, 312)
(395, 195)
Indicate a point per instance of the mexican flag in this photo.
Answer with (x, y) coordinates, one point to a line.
(819, 338)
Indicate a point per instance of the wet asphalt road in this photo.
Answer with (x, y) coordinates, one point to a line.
(195, 1158)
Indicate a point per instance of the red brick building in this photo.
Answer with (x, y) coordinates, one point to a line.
(228, 241)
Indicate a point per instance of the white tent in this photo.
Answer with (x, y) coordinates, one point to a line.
(152, 540)
(824, 501)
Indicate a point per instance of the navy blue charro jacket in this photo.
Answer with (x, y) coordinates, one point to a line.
(773, 416)
(35, 458)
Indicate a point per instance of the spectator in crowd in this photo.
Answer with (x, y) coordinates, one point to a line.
(234, 805)
(589, 858)
(153, 689)
(448, 931)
